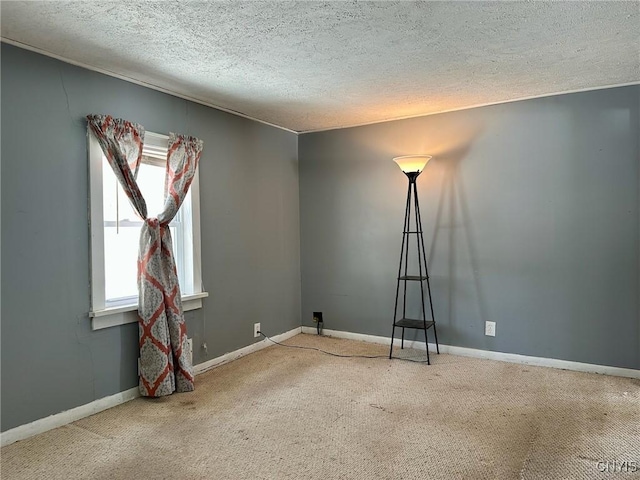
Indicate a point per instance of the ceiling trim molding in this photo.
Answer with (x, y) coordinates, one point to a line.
(300, 132)
(488, 104)
(138, 82)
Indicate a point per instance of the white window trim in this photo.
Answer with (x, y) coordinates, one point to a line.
(103, 316)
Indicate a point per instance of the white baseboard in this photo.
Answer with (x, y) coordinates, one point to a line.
(63, 418)
(487, 354)
(228, 357)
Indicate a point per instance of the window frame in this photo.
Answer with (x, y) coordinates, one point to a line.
(102, 314)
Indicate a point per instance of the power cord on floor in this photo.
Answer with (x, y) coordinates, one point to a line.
(337, 354)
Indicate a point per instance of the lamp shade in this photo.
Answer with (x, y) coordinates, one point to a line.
(412, 163)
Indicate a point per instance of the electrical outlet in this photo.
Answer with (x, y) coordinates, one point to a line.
(190, 350)
(490, 329)
(317, 317)
(256, 330)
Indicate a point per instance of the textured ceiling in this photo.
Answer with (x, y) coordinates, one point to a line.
(310, 65)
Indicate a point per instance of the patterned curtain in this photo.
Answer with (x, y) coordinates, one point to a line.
(164, 362)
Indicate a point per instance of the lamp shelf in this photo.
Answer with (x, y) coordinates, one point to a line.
(413, 278)
(413, 323)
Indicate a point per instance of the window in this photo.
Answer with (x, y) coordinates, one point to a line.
(115, 230)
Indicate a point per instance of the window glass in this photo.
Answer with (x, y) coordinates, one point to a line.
(122, 229)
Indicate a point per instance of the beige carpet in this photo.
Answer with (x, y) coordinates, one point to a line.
(286, 413)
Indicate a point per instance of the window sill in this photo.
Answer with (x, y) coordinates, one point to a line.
(121, 315)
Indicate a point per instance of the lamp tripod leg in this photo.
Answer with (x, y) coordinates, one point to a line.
(405, 228)
(393, 334)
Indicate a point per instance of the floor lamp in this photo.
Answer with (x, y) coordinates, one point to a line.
(412, 166)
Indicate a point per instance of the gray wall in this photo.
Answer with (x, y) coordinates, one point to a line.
(51, 360)
(531, 216)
